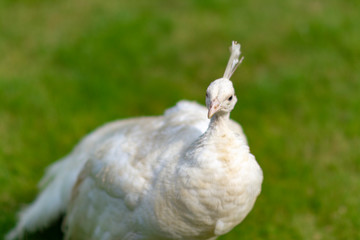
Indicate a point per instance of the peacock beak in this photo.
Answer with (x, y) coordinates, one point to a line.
(214, 107)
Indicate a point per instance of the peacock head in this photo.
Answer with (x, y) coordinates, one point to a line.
(220, 95)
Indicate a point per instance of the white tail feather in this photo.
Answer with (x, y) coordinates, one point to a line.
(52, 200)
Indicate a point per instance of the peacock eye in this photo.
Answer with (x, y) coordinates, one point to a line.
(230, 98)
(207, 95)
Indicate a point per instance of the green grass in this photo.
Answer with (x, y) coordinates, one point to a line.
(67, 67)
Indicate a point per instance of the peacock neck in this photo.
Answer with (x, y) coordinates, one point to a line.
(218, 137)
(219, 122)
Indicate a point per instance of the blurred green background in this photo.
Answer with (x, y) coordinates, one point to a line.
(68, 66)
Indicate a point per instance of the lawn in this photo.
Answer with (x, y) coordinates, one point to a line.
(69, 66)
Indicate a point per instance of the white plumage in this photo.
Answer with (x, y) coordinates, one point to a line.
(176, 176)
